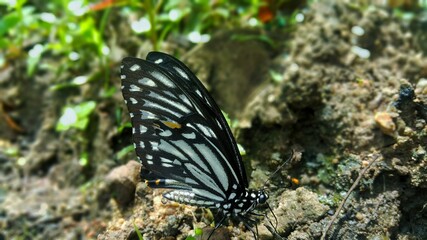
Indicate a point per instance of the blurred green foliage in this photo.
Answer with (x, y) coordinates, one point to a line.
(74, 32)
(78, 42)
(76, 116)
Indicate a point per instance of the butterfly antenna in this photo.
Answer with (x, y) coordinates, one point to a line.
(281, 166)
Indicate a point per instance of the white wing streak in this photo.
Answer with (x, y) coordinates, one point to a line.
(195, 171)
(168, 148)
(157, 106)
(189, 151)
(163, 79)
(169, 102)
(216, 166)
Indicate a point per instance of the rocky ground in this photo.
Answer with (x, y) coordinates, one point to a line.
(344, 87)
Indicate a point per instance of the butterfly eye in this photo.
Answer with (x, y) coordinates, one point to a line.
(262, 197)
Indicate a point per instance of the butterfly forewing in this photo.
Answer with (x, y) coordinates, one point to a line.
(193, 85)
(176, 136)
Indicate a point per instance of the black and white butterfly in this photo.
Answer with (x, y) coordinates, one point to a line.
(183, 140)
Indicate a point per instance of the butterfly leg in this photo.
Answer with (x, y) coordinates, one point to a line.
(273, 227)
(217, 225)
(249, 223)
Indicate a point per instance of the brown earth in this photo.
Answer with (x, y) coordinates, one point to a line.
(335, 93)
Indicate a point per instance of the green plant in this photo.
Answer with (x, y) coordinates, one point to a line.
(75, 116)
(137, 232)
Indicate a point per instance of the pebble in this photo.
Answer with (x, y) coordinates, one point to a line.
(385, 122)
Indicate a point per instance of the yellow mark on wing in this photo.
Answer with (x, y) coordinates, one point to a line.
(172, 124)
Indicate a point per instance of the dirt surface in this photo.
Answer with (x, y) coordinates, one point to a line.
(348, 85)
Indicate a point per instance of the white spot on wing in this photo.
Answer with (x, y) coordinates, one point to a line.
(232, 196)
(142, 129)
(133, 100)
(154, 145)
(147, 82)
(135, 67)
(158, 61)
(134, 88)
(189, 135)
(166, 133)
(122, 76)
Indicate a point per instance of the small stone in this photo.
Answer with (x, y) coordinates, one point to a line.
(359, 216)
(385, 122)
(365, 163)
(122, 182)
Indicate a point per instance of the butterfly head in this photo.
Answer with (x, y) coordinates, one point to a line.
(262, 197)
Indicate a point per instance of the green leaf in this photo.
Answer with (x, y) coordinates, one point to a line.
(137, 232)
(242, 150)
(34, 56)
(198, 231)
(227, 118)
(124, 151)
(84, 159)
(123, 126)
(9, 21)
(75, 116)
(276, 76)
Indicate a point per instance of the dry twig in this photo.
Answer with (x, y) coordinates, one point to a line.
(341, 206)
